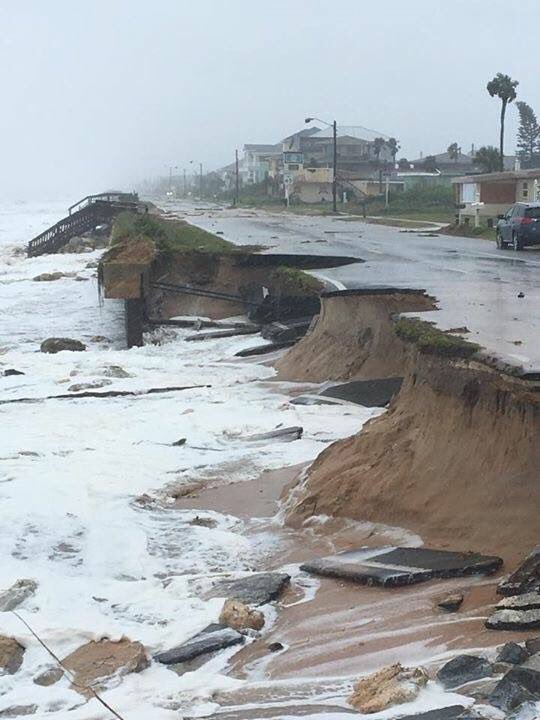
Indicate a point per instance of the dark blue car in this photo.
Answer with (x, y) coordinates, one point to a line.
(520, 226)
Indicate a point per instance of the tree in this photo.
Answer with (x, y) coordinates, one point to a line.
(378, 145)
(504, 88)
(393, 146)
(528, 137)
(454, 151)
(430, 163)
(488, 158)
(404, 164)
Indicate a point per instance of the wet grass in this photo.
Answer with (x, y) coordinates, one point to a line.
(292, 281)
(432, 341)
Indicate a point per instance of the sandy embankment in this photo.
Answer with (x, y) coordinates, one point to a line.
(456, 458)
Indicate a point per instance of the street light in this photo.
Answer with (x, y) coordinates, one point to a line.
(200, 176)
(333, 125)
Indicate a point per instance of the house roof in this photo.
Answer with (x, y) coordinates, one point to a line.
(499, 176)
(269, 149)
(355, 131)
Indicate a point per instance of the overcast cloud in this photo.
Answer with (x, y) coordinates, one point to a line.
(102, 94)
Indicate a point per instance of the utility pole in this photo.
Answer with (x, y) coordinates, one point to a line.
(236, 179)
(200, 179)
(334, 181)
(185, 187)
(171, 168)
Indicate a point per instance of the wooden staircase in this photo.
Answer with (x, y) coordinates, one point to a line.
(85, 215)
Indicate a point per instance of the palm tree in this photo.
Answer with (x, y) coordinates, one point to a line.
(488, 158)
(454, 151)
(378, 145)
(393, 145)
(504, 88)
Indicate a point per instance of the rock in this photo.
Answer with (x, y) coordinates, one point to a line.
(257, 589)
(102, 339)
(393, 685)
(115, 371)
(101, 660)
(448, 713)
(514, 620)
(92, 385)
(11, 371)
(54, 345)
(203, 522)
(521, 684)
(49, 677)
(11, 655)
(532, 645)
(397, 566)
(527, 711)
(239, 616)
(18, 710)
(527, 601)
(463, 669)
(48, 277)
(452, 602)
(525, 579)
(276, 647)
(17, 594)
(512, 653)
(92, 265)
(214, 637)
(286, 434)
(179, 442)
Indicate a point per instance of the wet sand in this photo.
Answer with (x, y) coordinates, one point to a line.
(334, 631)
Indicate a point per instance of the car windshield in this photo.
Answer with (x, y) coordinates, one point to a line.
(533, 212)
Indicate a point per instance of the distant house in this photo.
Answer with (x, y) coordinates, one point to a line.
(256, 161)
(482, 197)
(449, 167)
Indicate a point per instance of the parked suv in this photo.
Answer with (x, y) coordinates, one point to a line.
(520, 226)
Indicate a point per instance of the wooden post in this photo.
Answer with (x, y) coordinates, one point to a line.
(134, 314)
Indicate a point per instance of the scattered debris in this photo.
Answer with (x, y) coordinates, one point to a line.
(521, 295)
(98, 661)
(105, 394)
(370, 393)
(11, 655)
(393, 685)
(203, 522)
(239, 616)
(212, 638)
(18, 710)
(286, 434)
(179, 442)
(525, 579)
(276, 647)
(263, 349)
(55, 345)
(463, 669)
(215, 334)
(286, 331)
(257, 589)
(49, 277)
(452, 602)
(11, 371)
(396, 566)
(17, 594)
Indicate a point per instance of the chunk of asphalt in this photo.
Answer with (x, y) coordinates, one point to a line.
(370, 393)
(520, 684)
(527, 601)
(512, 653)
(396, 566)
(513, 620)
(257, 589)
(212, 638)
(525, 579)
(294, 432)
(447, 713)
(463, 669)
(215, 334)
(263, 349)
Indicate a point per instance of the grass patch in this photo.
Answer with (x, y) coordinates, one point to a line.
(432, 341)
(168, 236)
(470, 231)
(292, 281)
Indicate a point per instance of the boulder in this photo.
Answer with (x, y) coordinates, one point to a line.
(257, 589)
(18, 710)
(241, 617)
(11, 371)
(521, 684)
(101, 660)
(92, 385)
(11, 655)
(214, 637)
(452, 602)
(393, 685)
(17, 594)
(512, 653)
(55, 345)
(48, 277)
(50, 676)
(463, 669)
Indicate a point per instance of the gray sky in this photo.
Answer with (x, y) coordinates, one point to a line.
(101, 94)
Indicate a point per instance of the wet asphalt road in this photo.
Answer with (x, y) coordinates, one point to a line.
(475, 284)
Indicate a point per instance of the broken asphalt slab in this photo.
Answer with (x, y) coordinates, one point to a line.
(370, 393)
(257, 589)
(263, 349)
(216, 334)
(448, 713)
(212, 638)
(520, 684)
(396, 566)
(525, 579)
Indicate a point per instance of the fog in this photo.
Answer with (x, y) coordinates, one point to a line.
(103, 94)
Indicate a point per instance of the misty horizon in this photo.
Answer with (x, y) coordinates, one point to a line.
(107, 95)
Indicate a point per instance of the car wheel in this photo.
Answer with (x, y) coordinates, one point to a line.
(500, 242)
(517, 243)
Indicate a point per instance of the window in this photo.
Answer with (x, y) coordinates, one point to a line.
(533, 212)
(525, 190)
